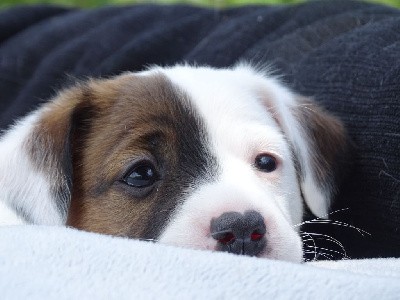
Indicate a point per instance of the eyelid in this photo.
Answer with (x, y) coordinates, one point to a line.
(138, 163)
(128, 164)
(278, 157)
(266, 146)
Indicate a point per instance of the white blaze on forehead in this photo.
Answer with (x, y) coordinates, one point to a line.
(231, 100)
(240, 127)
(228, 102)
(216, 91)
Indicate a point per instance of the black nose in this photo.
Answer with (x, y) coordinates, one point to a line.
(239, 233)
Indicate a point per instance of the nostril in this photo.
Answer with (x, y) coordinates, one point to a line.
(256, 236)
(239, 233)
(225, 238)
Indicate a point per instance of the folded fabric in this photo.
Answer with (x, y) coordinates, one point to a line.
(38, 262)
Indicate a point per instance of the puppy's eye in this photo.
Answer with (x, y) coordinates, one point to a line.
(142, 175)
(265, 163)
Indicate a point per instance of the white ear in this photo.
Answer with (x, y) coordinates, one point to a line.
(35, 174)
(318, 141)
(36, 155)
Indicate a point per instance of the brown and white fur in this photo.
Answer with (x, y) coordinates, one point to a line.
(192, 137)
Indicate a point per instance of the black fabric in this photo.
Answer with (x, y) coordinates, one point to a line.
(345, 54)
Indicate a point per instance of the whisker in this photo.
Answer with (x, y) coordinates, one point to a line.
(313, 241)
(329, 239)
(322, 218)
(307, 240)
(317, 254)
(148, 240)
(326, 255)
(338, 223)
(329, 250)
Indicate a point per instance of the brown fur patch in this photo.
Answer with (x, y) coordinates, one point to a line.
(89, 136)
(115, 138)
(49, 144)
(328, 138)
(150, 119)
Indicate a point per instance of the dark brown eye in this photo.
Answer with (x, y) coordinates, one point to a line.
(265, 163)
(142, 175)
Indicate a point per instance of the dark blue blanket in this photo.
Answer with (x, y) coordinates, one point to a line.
(345, 54)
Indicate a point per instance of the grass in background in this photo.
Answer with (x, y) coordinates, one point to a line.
(211, 3)
(96, 3)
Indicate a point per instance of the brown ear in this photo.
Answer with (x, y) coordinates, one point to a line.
(49, 143)
(327, 149)
(318, 141)
(56, 131)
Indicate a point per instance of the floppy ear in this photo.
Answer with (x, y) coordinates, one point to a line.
(36, 173)
(321, 147)
(318, 141)
(36, 154)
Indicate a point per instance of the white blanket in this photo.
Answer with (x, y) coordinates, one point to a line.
(60, 263)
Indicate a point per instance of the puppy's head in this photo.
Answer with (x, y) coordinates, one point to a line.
(196, 157)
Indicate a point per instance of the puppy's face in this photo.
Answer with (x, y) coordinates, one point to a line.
(194, 157)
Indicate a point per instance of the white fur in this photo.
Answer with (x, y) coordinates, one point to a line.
(238, 88)
(240, 107)
(21, 185)
(282, 101)
(240, 128)
(8, 216)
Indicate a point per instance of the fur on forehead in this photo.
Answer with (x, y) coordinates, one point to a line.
(309, 129)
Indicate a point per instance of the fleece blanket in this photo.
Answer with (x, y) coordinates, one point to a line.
(345, 54)
(61, 263)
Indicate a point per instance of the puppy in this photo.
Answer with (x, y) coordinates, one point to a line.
(218, 159)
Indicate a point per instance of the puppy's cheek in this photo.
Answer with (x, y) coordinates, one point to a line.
(189, 232)
(283, 243)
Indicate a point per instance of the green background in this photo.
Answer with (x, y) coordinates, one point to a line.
(212, 3)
